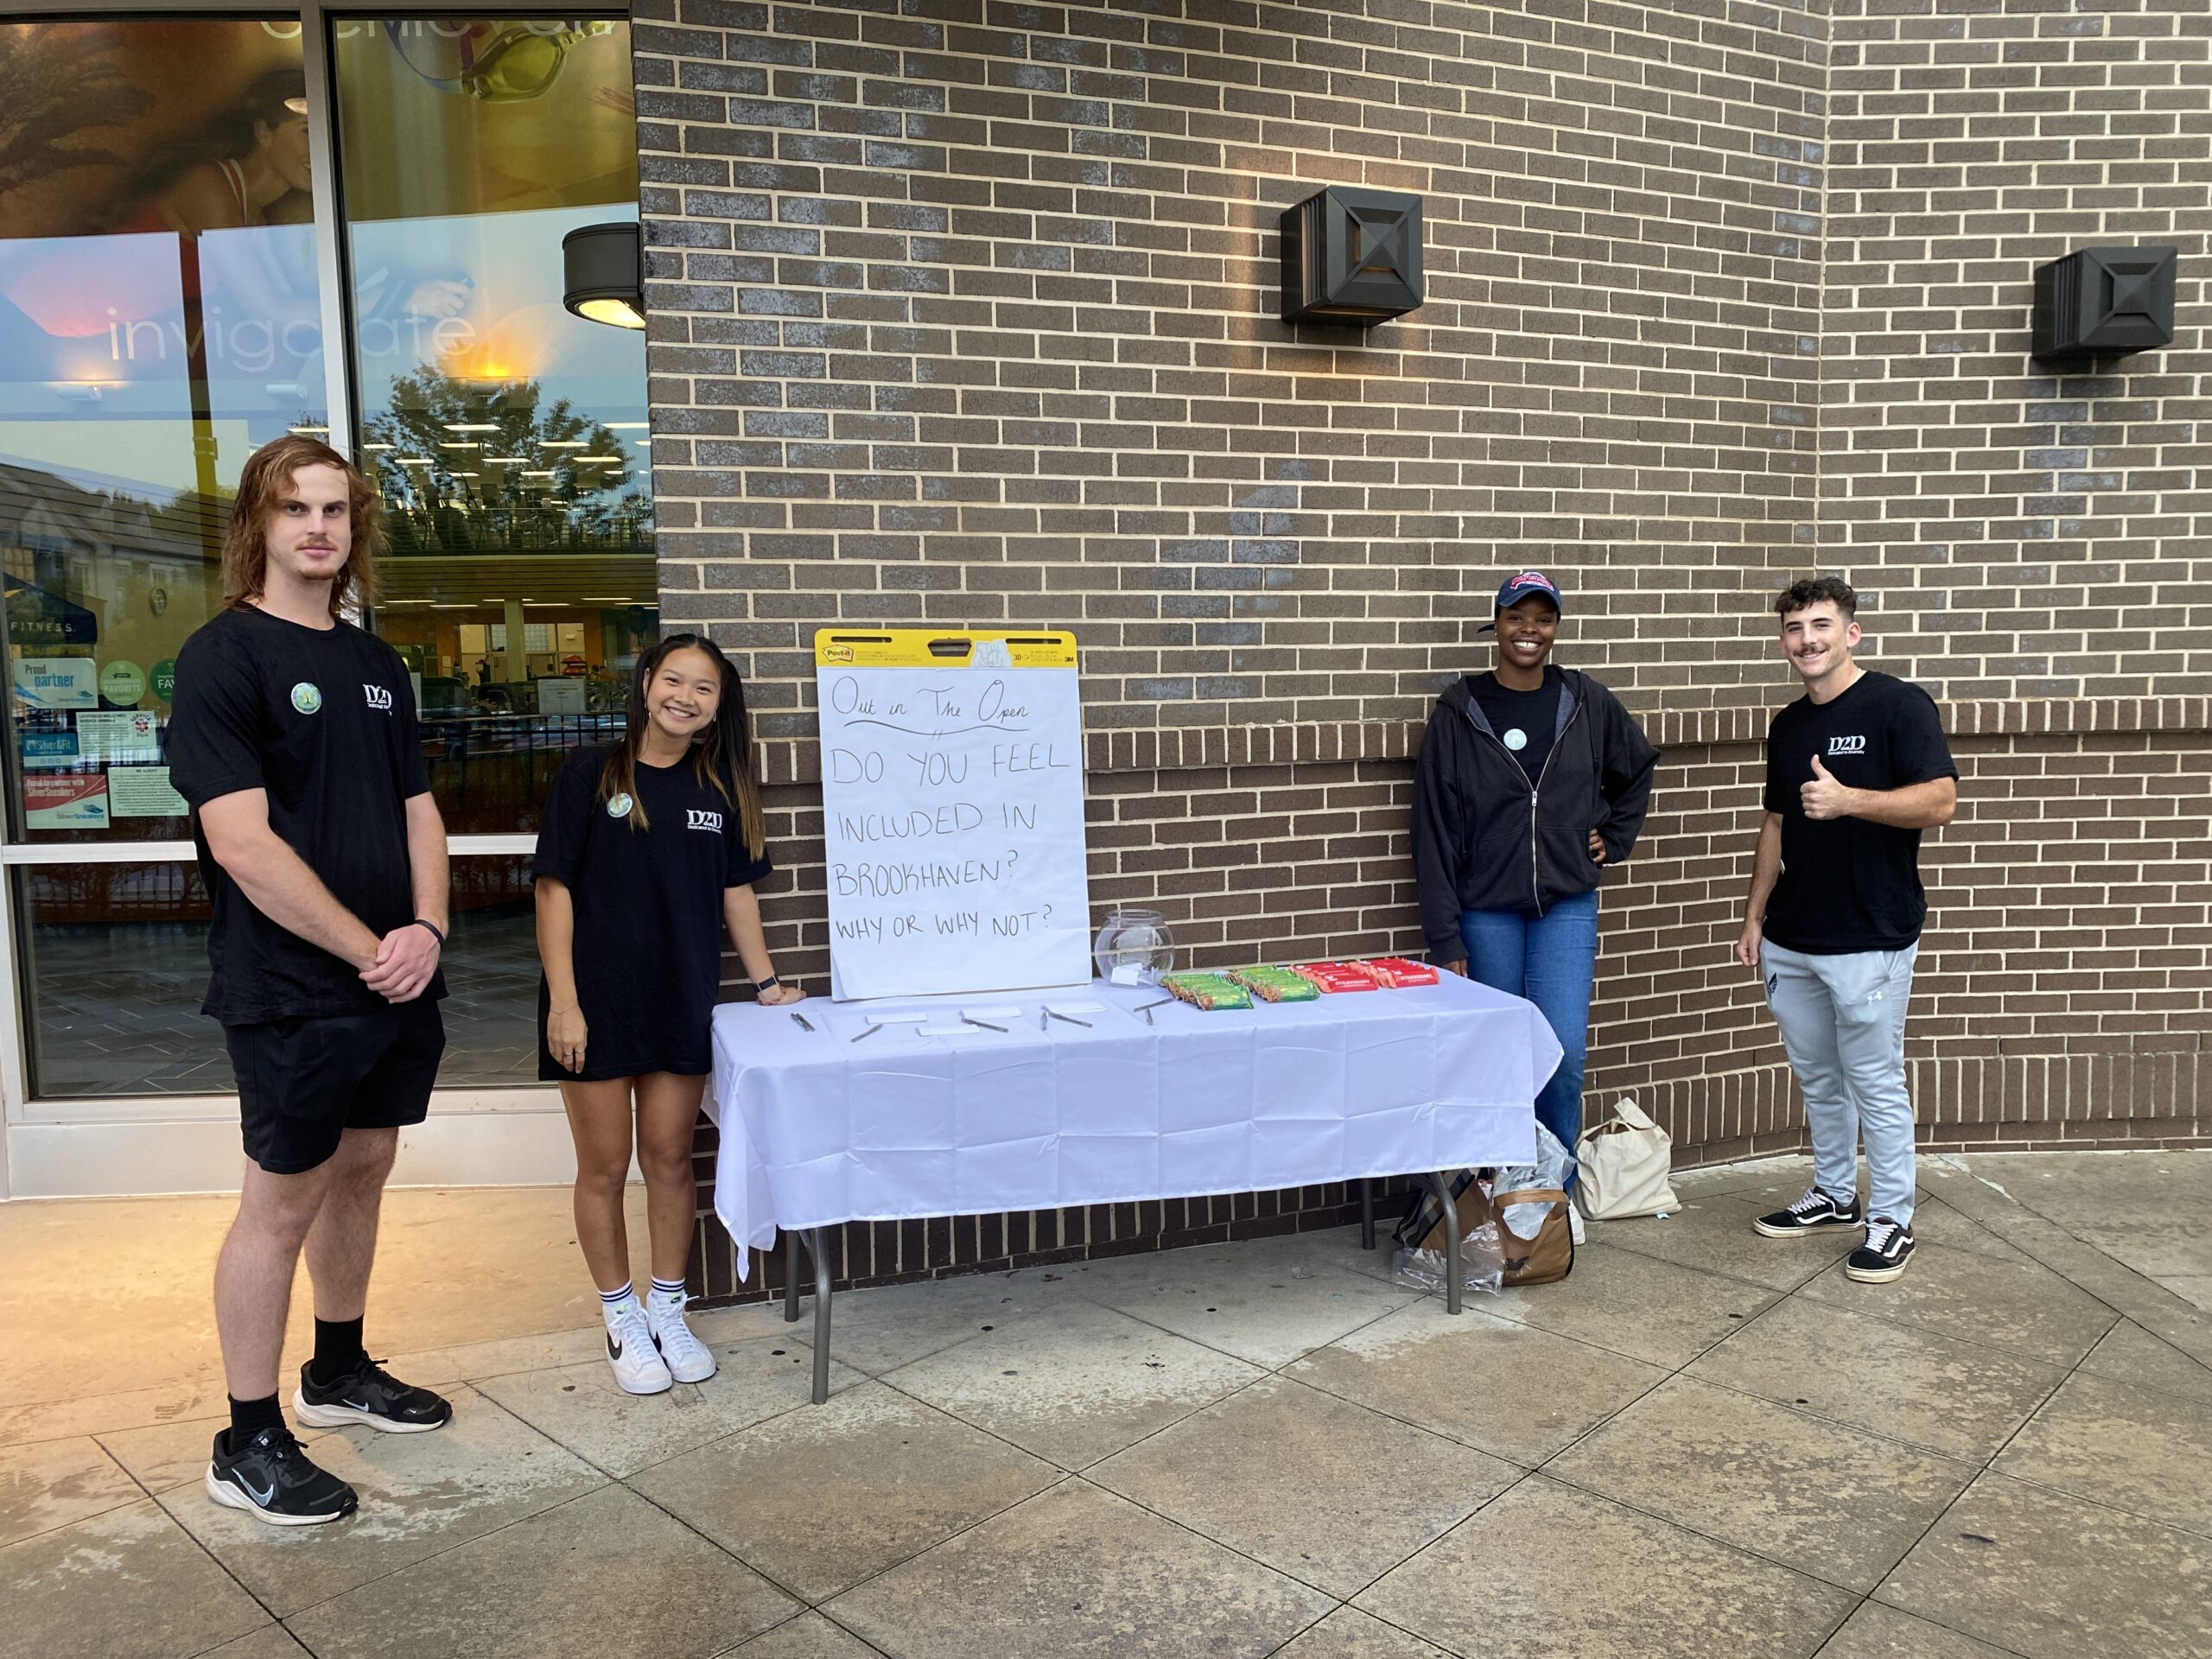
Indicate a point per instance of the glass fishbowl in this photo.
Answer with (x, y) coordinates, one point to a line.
(1134, 948)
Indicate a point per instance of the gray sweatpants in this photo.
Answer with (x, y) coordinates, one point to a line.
(1842, 1021)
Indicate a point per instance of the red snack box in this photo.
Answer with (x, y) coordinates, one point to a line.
(1329, 976)
(1392, 971)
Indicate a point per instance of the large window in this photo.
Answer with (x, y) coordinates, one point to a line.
(159, 319)
(508, 437)
(164, 253)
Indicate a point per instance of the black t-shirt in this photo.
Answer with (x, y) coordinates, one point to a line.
(648, 906)
(1848, 884)
(323, 720)
(1534, 714)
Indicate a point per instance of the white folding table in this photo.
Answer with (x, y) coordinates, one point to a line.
(864, 1113)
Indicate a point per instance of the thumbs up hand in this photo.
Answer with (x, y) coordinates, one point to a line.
(1824, 798)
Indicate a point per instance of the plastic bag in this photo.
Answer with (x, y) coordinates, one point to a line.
(1554, 1163)
(1482, 1263)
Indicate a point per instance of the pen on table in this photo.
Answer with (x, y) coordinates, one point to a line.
(985, 1024)
(869, 1032)
(801, 1019)
(1069, 1018)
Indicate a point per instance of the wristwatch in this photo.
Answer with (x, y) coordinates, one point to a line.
(767, 984)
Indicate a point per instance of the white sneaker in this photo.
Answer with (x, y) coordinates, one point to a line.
(631, 1350)
(686, 1357)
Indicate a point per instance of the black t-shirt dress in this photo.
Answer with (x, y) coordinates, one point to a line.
(648, 905)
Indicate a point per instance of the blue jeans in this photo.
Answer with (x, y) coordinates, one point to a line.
(1551, 960)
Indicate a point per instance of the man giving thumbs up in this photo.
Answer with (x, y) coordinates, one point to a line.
(1855, 770)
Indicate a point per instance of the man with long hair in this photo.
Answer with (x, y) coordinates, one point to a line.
(294, 739)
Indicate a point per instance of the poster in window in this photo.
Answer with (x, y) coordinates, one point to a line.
(46, 749)
(144, 792)
(64, 800)
(57, 682)
(131, 734)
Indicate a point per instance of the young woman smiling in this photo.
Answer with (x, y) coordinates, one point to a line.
(1531, 779)
(647, 850)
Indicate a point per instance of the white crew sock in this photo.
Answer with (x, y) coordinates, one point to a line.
(612, 1303)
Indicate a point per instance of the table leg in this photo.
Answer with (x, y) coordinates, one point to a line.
(790, 1278)
(1440, 1183)
(821, 1315)
(1367, 1214)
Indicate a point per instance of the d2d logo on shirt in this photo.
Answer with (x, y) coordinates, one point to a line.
(379, 696)
(1846, 746)
(696, 818)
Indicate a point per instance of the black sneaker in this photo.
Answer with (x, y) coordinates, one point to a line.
(1816, 1212)
(370, 1395)
(1883, 1255)
(272, 1480)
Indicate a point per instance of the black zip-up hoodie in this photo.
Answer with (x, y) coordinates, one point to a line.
(1485, 839)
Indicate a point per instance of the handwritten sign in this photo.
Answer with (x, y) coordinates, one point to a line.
(952, 812)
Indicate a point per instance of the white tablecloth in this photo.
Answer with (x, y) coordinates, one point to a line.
(817, 1129)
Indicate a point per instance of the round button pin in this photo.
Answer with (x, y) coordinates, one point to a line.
(1517, 739)
(307, 696)
(618, 805)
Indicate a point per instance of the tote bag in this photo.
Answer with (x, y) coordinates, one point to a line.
(1625, 1167)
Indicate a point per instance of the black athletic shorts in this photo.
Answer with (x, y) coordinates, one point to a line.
(305, 1079)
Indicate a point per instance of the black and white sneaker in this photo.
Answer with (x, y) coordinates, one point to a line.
(370, 1395)
(1816, 1212)
(1883, 1255)
(271, 1479)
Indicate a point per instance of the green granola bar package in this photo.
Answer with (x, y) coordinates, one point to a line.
(1206, 991)
(1275, 984)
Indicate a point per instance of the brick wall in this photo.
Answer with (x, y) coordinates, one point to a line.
(963, 313)
(2034, 534)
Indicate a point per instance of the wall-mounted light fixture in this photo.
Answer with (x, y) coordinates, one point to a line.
(1351, 256)
(2105, 302)
(603, 273)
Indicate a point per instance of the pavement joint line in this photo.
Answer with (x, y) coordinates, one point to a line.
(1999, 1216)
(1988, 1468)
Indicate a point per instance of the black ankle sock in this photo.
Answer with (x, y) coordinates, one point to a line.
(338, 1348)
(249, 1417)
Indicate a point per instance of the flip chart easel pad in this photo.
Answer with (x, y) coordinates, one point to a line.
(953, 812)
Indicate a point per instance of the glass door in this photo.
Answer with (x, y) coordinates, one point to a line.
(161, 317)
(213, 232)
(507, 436)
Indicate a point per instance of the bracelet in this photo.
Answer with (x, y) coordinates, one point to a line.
(767, 984)
(431, 927)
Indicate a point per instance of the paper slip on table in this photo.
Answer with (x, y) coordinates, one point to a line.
(899, 1111)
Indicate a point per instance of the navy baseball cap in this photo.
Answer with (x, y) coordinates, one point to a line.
(1518, 586)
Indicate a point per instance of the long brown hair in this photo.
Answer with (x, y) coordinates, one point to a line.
(262, 482)
(721, 755)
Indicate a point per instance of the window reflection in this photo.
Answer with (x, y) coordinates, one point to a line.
(159, 319)
(116, 960)
(507, 437)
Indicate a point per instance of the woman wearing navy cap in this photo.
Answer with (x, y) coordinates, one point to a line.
(1531, 778)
